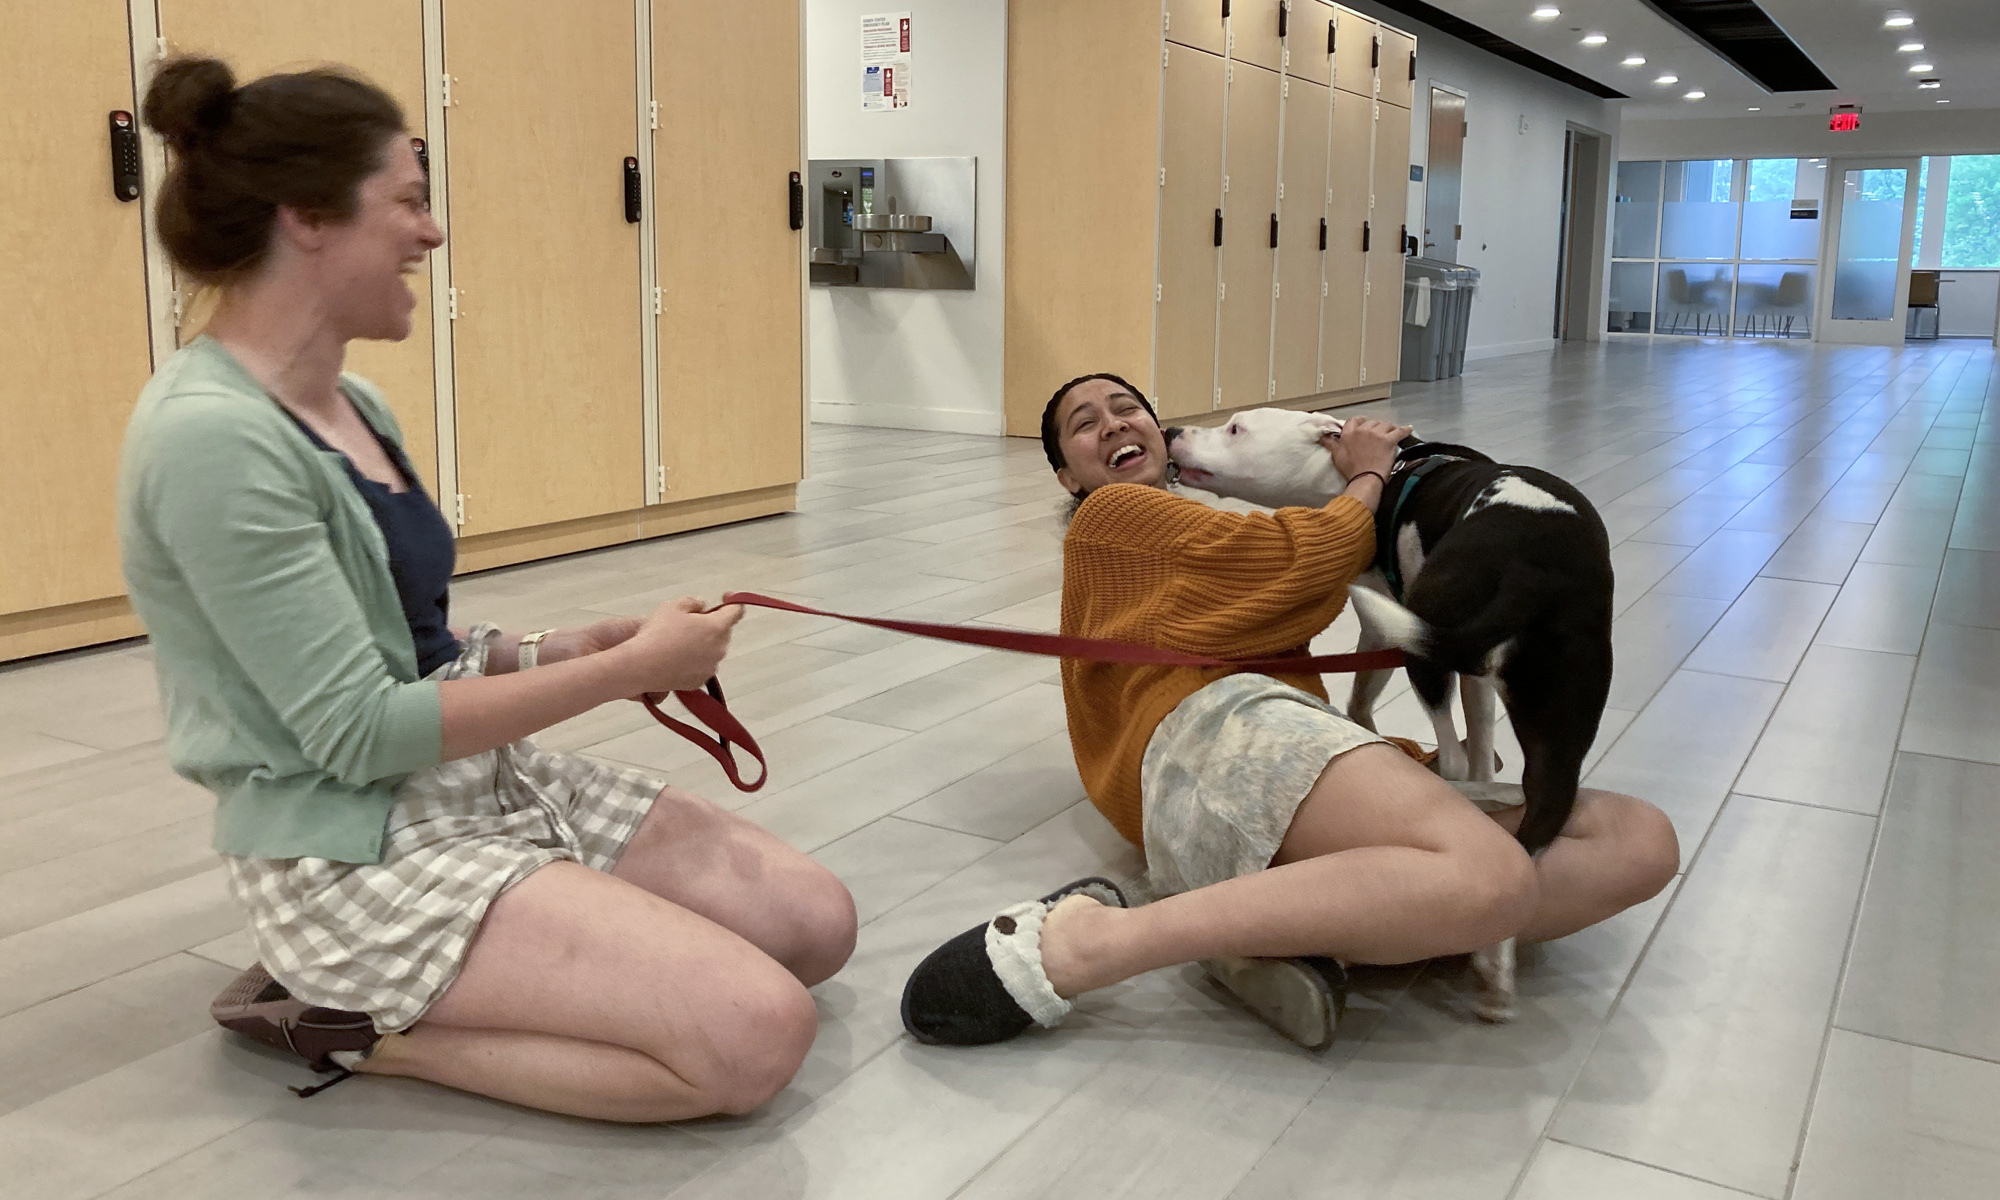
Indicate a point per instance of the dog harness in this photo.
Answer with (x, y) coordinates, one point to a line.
(1403, 479)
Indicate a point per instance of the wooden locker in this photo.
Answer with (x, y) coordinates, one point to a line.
(1301, 217)
(1309, 41)
(73, 286)
(1382, 352)
(384, 41)
(1197, 23)
(1249, 213)
(1354, 52)
(1398, 71)
(546, 347)
(1190, 204)
(731, 370)
(1253, 32)
(1348, 179)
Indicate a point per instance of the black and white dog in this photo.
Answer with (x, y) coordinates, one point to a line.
(1500, 575)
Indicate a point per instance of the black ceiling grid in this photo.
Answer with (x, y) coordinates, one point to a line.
(1739, 31)
(1493, 43)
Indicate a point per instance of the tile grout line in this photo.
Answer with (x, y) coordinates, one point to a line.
(1657, 1167)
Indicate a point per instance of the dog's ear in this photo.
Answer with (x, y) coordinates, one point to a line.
(1326, 429)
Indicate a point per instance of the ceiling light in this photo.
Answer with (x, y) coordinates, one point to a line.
(1594, 39)
(1634, 60)
(1696, 95)
(1667, 79)
(1920, 68)
(1899, 22)
(1944, 102)
(1754, 110)
(1910, 47)
(1547, 12)
(1928, 84)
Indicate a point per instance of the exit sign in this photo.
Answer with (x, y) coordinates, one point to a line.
(1844, 119)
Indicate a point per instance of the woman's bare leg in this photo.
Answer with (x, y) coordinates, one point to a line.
(588, 995)
(1383, 863)
(742, 877)
(1615, 851)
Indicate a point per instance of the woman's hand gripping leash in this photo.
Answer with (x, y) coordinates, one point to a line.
(679, 649)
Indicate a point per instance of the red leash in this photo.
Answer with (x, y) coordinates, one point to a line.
(708, 707)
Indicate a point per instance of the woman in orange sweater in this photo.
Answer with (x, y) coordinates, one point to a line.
(1281, 837)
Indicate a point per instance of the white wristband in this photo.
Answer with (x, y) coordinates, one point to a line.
(531, 648)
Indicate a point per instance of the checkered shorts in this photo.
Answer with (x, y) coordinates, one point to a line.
(388, 938)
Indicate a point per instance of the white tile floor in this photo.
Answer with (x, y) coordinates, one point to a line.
(1808, 547)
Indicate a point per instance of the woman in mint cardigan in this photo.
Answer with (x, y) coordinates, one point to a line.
(430, 895)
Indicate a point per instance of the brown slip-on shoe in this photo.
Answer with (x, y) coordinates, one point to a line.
(259, 1007)
(1302, 998)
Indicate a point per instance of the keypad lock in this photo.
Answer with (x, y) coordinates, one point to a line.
(125, 175)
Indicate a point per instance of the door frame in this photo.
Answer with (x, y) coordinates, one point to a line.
(1424, 198)
(1853, 332)
(1583, 273)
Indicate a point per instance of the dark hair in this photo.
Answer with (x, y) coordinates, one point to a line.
(1052, 441)
(303, 141)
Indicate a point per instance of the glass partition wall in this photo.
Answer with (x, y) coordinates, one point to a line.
(1716, 247)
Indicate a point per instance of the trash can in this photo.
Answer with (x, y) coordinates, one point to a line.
(1437, 309)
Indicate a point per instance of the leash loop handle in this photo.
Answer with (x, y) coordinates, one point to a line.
(713, 713)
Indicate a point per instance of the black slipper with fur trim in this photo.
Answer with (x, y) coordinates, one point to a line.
(987, 984)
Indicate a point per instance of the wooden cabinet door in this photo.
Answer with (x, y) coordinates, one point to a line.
(1398, 70)
(1382, 355)
(1190, 201)
(383, 40)
(1301, 217)
(1354, 52)
(546, 348)
(1253, 32)
(1249, 212)
(73, 287)
(1309, 41)
(1197, 23)
(1348, 177)
(732, 413)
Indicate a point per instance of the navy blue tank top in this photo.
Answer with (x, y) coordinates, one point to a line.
(421, 552)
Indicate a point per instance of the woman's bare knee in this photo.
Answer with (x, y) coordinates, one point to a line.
(1644, 841)
(1499, 893)
(826, 927)
(759, 1050)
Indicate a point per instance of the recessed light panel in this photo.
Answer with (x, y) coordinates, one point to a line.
(1664, 80)
(1696, 95)
(1594, 39)
(1899, 22)
(1634, 60)
(1547, 12)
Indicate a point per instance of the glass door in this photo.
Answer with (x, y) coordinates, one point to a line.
(1865, 250)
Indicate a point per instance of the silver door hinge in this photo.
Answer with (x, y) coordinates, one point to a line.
(1166, 22)
(451, 304)
(660, 478)
(447, 89)
(1225, 184)
(1322, 288)
(1218, 397)
(656, 302)
(1222, 291)
(1329, 195)
(1281, 190)
(1229, 42)
(160, 45)
(1274, 290)
(1322, 382)
(1163, 177)
(1165, 51)
(460, 508)
(1271, 388)
(180, 308)
(1285, 85)
(1229, 72)
(1367, 286)
(1156, 293)
(653, 111)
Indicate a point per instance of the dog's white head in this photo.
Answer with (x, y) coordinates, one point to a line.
(1269, 456)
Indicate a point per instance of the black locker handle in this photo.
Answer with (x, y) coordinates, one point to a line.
(1329, 37)
(1364, 237)
(1218, 227)
(1225, 10)
(1375, 55)
(1322, 233)
(1284, 15)
(798, 195)
(1274, 231)
(1403, 239)
(1413, 66)
(634, 197)
(125, 175)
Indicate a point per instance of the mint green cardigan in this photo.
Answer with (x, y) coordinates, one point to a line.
(285, 662)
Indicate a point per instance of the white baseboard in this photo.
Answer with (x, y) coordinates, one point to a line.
(1503, 349)
(901, 416)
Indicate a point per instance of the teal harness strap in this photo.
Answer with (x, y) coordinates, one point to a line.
(1385, 548)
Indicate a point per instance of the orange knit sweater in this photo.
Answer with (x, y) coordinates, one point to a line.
(1141, 564)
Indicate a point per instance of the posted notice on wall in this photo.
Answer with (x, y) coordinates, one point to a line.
(885, 62)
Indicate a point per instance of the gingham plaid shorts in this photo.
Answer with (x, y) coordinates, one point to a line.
(388, 938)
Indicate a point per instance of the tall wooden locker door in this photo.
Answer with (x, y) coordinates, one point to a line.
(546, 346)
(1382, 353)
(73, 288)
(1347, 182)
(1197, 23)
(1250, 228)
(383, 40)
(1398, 70)
(1354, 52)
(1190, 214)
(1254, 32)
(1309, 41)
(732, 413)
(1301, 222)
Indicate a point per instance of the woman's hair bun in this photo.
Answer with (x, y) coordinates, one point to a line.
(190, 99)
